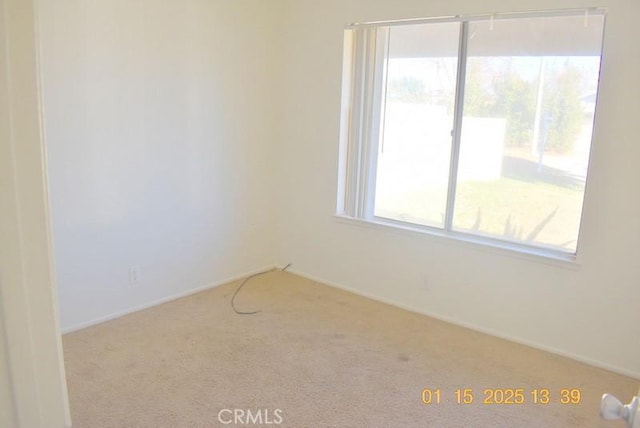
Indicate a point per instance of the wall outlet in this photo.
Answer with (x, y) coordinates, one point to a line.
(134, 275)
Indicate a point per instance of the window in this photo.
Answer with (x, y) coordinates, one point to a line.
(474, 127)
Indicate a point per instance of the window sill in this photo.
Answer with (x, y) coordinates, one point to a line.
(476, 243)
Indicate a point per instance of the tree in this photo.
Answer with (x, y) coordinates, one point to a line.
(565, 111)
(515, 100)
(479, 100)
(494, 89)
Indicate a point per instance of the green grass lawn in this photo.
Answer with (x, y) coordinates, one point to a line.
(516, 209)
(523, 211)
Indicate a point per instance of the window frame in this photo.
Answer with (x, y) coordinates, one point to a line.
(363, 92)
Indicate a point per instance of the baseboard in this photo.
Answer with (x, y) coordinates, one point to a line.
(100, 320)
(470, 326)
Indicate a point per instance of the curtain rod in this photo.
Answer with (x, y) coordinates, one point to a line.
(487, 16)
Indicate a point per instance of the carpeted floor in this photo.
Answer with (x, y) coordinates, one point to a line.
(314, 357)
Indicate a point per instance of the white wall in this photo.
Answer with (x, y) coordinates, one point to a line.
(159, 120)
(589, 311)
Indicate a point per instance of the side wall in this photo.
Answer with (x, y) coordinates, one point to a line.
(159, 123)
(588, 311)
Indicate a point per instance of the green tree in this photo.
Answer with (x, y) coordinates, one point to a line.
(493, 89)
(516, 101)
(479, 100)
(565, 111)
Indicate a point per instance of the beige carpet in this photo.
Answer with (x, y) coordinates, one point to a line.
(313, 357)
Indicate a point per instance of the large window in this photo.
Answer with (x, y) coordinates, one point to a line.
(475, 127)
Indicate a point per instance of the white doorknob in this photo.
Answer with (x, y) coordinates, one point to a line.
(612, 408)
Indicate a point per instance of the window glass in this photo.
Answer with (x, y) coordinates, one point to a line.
(415, 149)
(477, 126)
(529, 104)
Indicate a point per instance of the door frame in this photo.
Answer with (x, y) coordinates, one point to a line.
(31, 362)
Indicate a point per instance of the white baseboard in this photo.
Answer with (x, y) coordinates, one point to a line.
(157, 302)
(470, 326)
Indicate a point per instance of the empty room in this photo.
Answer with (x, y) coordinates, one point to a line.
(340, 213)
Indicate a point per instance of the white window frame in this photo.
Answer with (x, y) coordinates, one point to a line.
(361, 122)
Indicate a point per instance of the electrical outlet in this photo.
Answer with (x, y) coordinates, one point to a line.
(134, 275)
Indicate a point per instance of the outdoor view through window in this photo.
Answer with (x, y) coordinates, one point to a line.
(479, 126)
